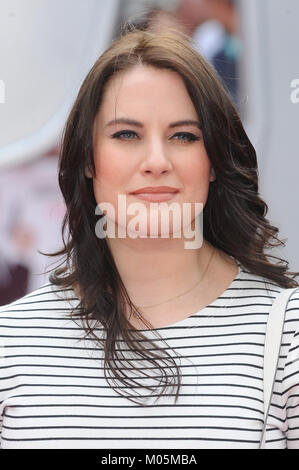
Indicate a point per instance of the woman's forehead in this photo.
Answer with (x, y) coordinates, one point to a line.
(157, 90)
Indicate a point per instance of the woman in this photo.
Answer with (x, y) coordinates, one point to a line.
(138, 341)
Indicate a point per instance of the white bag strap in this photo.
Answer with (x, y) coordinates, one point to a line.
(273, 339)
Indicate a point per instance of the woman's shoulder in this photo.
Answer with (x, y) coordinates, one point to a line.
(40, 316)
(265, 290)
(257, 283)
(268, 290)
(48, 297)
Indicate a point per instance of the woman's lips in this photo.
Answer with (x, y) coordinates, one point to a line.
(155, 197)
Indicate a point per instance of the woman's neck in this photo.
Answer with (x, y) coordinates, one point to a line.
(157, 271)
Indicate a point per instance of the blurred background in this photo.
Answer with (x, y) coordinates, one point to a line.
(46, 49)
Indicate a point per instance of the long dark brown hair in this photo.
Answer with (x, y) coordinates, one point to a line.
(234, 217)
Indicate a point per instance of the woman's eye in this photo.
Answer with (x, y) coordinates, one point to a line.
(180, 136)
(124, 135)
(186, 137)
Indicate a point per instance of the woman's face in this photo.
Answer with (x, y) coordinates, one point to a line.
(154, 150)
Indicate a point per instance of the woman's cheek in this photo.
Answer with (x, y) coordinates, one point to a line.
(112, 176)
(111, 164)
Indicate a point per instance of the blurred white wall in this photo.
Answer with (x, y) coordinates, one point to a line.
(46, 49)
(270, 112)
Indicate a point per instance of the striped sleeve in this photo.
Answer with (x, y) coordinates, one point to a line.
(291, 387)
(2, 364)
(284, 409)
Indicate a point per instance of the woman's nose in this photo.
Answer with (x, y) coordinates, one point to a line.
(156, 161)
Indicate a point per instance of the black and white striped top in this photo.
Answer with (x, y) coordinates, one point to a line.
(53, 393)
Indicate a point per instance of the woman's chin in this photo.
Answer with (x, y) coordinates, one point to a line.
(155, 233)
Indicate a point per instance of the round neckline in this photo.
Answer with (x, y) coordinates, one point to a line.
(212, 304)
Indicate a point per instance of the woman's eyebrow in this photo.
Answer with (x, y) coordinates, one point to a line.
(185, 122)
